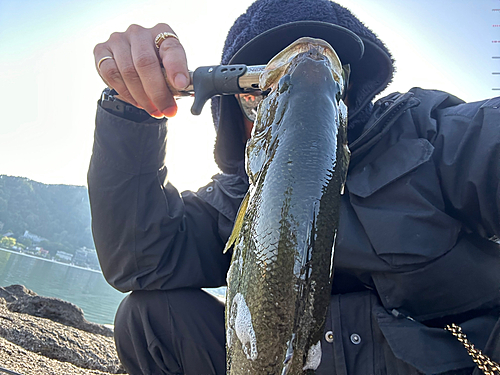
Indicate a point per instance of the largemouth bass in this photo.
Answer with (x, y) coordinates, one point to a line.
(279, 281)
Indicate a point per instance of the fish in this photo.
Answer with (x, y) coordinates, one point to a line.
(279, 279)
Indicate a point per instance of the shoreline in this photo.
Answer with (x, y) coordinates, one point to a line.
(50, 260)
(88, 290)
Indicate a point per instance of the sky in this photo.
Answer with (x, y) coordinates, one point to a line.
(49, 86)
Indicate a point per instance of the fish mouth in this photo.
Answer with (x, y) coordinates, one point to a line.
(285, 61)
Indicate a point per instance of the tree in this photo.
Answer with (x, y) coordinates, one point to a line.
(59, 213)
(7, 242)
(25, 241)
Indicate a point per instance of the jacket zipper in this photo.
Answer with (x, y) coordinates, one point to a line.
(384, 123)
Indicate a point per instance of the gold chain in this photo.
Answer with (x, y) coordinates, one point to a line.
(484, 363)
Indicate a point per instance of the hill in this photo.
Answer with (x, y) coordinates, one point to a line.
(58, 213)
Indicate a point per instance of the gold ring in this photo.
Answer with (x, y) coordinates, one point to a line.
(102, 60)
(162, 36)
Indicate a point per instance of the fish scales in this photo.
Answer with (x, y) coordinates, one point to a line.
(279, 282)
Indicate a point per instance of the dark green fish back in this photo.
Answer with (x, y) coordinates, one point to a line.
(279, 282)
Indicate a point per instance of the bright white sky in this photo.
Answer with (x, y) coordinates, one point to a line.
(49, 86)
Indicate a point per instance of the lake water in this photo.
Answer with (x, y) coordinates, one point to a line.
(85, 288)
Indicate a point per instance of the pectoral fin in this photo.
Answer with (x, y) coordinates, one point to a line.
(238, 223)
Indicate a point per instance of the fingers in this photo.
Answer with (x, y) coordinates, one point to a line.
(174, 60)
(130, 77)
(147, 66)
(135, 69)
(110, 73)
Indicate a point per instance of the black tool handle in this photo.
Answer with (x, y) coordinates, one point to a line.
(214, 80)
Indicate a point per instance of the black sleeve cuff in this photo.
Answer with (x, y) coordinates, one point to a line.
(120, 108)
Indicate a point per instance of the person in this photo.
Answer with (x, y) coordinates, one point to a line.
(416, 247)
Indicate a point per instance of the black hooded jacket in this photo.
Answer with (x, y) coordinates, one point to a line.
(420, 207)
(415, 249)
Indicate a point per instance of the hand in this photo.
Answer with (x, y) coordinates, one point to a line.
(135, 69)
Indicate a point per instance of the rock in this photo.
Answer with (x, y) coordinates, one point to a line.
(41, 344)
(13, 292)
(23, 362)
(23, 300)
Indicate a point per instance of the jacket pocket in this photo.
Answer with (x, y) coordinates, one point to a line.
(432, 350)
(396, 194)
(401, 158)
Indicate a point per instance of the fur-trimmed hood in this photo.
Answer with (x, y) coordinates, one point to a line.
(369, 75)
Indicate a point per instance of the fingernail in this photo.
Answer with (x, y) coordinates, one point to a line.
(170, 111)
(180, 81)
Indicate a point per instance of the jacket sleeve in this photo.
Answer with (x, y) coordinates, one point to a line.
(147, 235)
(466, 138)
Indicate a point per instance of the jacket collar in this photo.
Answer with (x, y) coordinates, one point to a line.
(385, 113)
